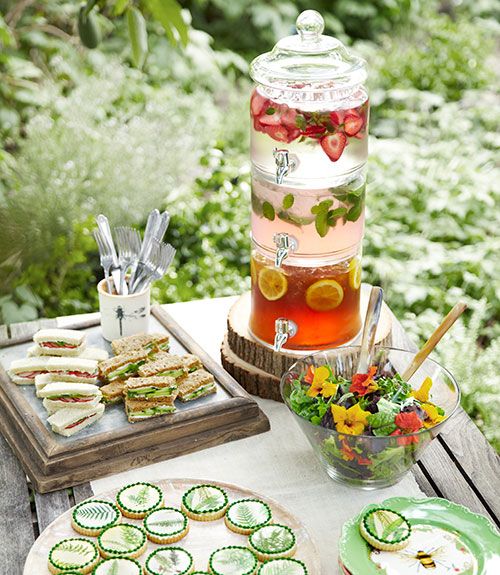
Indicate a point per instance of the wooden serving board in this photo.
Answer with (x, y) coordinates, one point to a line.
(257, 367)
(203, 537)
(113, 444)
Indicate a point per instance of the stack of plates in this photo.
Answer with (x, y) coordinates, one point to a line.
(446, 539)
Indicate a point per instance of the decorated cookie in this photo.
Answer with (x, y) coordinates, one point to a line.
(284, 566)
(247, 515)
(232, 560)
(74, 553)
(200, 573)
(138, 499)
(272, 542)
(92, 517)
(118, 566)
(124, 540)
(204, 502)
(169, 561)
(385, 529)
(166, 525)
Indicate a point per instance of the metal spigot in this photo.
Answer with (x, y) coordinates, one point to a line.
(285, 329)
(285, 244)
(285, 163)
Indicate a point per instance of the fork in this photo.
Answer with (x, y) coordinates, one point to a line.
(128, 241)
(156, 265)
(106, 258)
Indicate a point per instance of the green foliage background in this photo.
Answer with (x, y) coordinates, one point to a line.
(85, 131)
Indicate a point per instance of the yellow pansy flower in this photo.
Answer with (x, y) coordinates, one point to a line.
(422, 394)
(320, 376)
(329, 389)
(350, 421)
(433, 416)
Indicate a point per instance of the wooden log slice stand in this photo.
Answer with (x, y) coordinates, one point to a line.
(258, 368)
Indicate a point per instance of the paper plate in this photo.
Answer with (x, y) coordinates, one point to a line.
(203, 537)
(446, 539)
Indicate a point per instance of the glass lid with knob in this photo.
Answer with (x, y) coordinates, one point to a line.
(309, 63)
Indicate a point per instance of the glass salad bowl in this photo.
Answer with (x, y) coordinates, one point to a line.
(368, 430)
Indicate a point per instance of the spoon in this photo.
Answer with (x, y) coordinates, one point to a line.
(370, 328)
(434, 339)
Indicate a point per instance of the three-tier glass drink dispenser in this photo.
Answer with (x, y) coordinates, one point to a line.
(309, 144)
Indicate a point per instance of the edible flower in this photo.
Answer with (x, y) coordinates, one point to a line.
(350, 421)
(422, 394)
(433, 415)
(348, 454)
(407, 440)
(363, 383)
(320, 383)
(408, 422)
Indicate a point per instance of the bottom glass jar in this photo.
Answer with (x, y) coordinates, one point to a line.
(318, 298)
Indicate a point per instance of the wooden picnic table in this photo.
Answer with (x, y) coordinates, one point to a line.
(459, 465)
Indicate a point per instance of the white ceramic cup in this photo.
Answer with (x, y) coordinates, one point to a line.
(123, 315)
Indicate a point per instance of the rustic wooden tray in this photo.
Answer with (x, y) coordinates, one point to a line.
(113, 444)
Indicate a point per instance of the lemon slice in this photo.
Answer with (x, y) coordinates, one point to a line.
(253, 271)
(324, 295)
(272, 283)
(355, 273)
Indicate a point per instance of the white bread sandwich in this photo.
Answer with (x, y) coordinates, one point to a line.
(197, 384)
(42, 380)
(60, 342)
(24, 371)
(150, 342)
(95, 353)
(70, 421)
(66, 395)
(122, 366)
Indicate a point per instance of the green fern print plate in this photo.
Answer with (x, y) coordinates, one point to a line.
(95, 514)
(283, 567)
(139, 497)
(73, 553)
(249, 514)
(233, 560)
(205, 499)
(118, 566)
(122, 539)
(446, 539)
(272, 539)
(169, 561)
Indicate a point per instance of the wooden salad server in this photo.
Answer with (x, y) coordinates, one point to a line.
(370, 328)
(434, 339)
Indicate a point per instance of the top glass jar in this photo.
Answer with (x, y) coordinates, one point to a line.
(310, 100)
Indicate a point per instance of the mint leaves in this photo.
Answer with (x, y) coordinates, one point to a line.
(268, 211)
(288, 201)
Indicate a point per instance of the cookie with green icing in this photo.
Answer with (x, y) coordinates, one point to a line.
(232, 560)
(92, 517)
(247, 515)
(166, 525)
(136, 500)
(74, 553)
(272, 542)
(122, 540)
(169, 561)
(204, 502)
(385, 529)
(283, 566)
(118, 566)
(200, 573)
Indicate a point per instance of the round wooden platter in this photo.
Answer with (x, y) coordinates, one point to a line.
(258, 368)
(203, 537)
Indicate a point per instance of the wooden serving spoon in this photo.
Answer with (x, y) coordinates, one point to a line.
(434, 339)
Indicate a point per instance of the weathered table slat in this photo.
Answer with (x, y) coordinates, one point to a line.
(16, 527)
(50, 505)
(81, 492)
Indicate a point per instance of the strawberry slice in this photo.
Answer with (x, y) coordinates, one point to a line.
(288, 117)
(271, 115)
(337, 117)
(314, 131)
(353, 123)
(257, 103)
(279, 133)
(333, 145)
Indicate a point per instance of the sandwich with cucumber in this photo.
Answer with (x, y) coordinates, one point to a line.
(59, 342)
(75, 369)
(66, 395)
(197, 384)
(147, 397)
(164, 365)
(69, 421)
(150, 342)
(122, 366)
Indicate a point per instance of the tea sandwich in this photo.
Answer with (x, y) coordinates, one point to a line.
(59, 342)
(197, 384)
